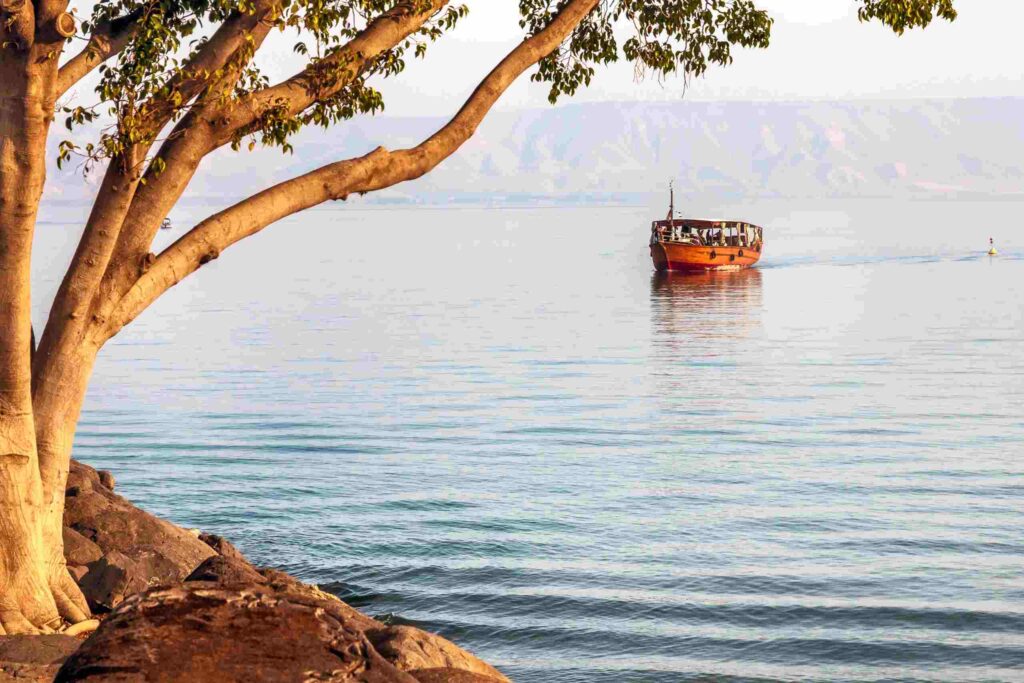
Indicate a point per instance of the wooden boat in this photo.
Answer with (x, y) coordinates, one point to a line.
(690, 244)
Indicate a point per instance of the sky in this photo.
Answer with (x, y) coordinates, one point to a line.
(819, 51)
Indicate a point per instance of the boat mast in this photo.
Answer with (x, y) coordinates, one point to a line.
(671, 201)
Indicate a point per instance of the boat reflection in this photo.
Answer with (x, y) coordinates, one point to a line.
(704, 314)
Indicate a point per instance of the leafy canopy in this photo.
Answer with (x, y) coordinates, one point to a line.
(666, 37)
(903, 14)
(150, 74)
(660, 37)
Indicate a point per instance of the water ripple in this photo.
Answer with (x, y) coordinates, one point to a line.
(588, 474)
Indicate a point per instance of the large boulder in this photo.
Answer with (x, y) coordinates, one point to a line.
(107, 580)
(449, 675)
(138, 550)
(115, 576)
(226, 570)
(79, 550)
(223, 547)
(203, 631)
(33, 659)
(411, 649)
(228, 566)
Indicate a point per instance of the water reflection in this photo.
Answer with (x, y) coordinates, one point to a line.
(704, 312)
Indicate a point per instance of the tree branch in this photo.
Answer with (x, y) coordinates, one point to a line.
(107, 39)
(205, 129)
(71, 316)
(299, 92)
(181, 153)
(194, 75)
(378, 169)
(17, 23)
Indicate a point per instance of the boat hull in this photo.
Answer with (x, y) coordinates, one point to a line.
(690, 257)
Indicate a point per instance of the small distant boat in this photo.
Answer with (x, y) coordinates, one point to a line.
(690, 244)
(992, 247)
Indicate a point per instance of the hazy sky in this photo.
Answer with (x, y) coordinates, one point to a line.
(819, 51)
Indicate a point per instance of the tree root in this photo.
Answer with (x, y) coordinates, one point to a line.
(87, 626)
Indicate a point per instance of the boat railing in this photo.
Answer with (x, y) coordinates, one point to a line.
(715, 235)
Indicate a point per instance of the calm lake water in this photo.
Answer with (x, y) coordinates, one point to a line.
(502, 426)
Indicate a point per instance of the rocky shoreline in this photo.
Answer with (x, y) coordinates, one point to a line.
(180, 605)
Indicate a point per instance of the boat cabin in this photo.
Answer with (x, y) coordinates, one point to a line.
(706, 233)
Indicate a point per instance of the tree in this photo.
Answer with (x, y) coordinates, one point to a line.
(178, 80)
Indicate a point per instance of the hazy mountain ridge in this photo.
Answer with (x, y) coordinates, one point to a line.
(796, 149)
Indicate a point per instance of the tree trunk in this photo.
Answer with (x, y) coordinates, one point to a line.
(59, 389)
(33, 594)
(26, 601)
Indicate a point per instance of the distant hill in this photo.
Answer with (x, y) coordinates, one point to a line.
(909, 148)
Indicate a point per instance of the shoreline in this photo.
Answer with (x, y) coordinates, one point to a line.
(181, 605)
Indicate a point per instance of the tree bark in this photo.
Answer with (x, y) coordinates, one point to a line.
(107, 39)
(35, 588)
(56, 407)
(29, 581)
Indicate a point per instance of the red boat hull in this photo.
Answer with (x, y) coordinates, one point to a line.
(690, 257)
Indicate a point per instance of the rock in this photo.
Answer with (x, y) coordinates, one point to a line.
(115, 576)
(81, 478)
(107, 479)
(227, 566)
(109, 580)
(161, 552)
(78, 549)
(226, 570)
(279, 580)
(410, 649)
(32, 659)
(202, 632)
(450, 676)
(37, 649)
(222, 546)
(230, 621)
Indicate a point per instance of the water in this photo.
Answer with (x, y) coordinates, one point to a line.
(500, 425)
